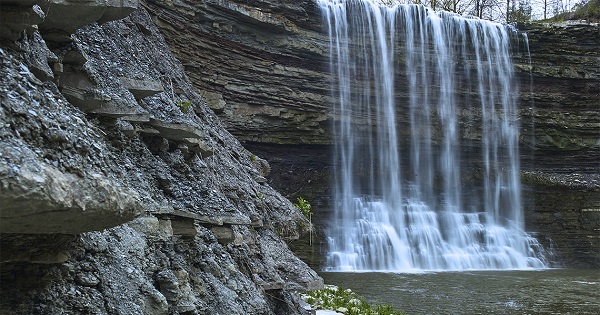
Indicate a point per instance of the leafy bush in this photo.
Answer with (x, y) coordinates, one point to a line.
(304, 206)
(589, 10)
(184, 106)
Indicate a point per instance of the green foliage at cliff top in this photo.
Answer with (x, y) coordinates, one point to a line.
(589, 11)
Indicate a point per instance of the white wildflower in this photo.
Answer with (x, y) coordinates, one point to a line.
(355, 302)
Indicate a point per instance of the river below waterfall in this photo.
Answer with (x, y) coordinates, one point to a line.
(549, 291)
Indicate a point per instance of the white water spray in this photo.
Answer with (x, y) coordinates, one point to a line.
(401, 204)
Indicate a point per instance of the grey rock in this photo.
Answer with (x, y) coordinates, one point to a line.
(38, 56)
(15, 19)
(142, 88)
(214, 101)
(224, 234)
(77, 171)
(183, 227)
(87, 279)
(168, 285)
(37, 197)
(64, 17)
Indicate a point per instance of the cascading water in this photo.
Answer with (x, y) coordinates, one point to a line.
(401, 201)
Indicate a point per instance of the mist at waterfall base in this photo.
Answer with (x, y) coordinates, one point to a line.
(400, 200)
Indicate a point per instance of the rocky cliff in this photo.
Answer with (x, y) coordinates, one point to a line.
(560, 137)
(262, 66)
(120, 190)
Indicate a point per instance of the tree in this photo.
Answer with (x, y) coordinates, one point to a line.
(456, 6)
(522, 13)
(484, 8)
(478, 8)
(501, 10)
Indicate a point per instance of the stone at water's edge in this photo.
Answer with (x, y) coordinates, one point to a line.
(267, 60)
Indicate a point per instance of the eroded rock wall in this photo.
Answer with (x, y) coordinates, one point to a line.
(560, 89)
(560, 137)
(262, 66)
(120, 190)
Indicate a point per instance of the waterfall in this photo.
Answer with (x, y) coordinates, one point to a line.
(427, 161)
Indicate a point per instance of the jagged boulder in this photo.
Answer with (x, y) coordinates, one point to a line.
(15, 19)
(49, 189)
(58, 19)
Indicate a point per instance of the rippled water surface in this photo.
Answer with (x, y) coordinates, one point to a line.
(554, 291)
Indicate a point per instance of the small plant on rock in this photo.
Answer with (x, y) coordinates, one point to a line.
(184, 106)
(304, 206)
(306, 209)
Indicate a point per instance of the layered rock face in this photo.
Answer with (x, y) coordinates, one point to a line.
(263, 67)
(560, 85)
(120, 190)
(560, 137)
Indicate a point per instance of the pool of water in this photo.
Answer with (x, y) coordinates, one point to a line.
(551, 291)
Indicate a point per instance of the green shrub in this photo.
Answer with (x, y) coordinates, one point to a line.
(304, 206)
(184, 106)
